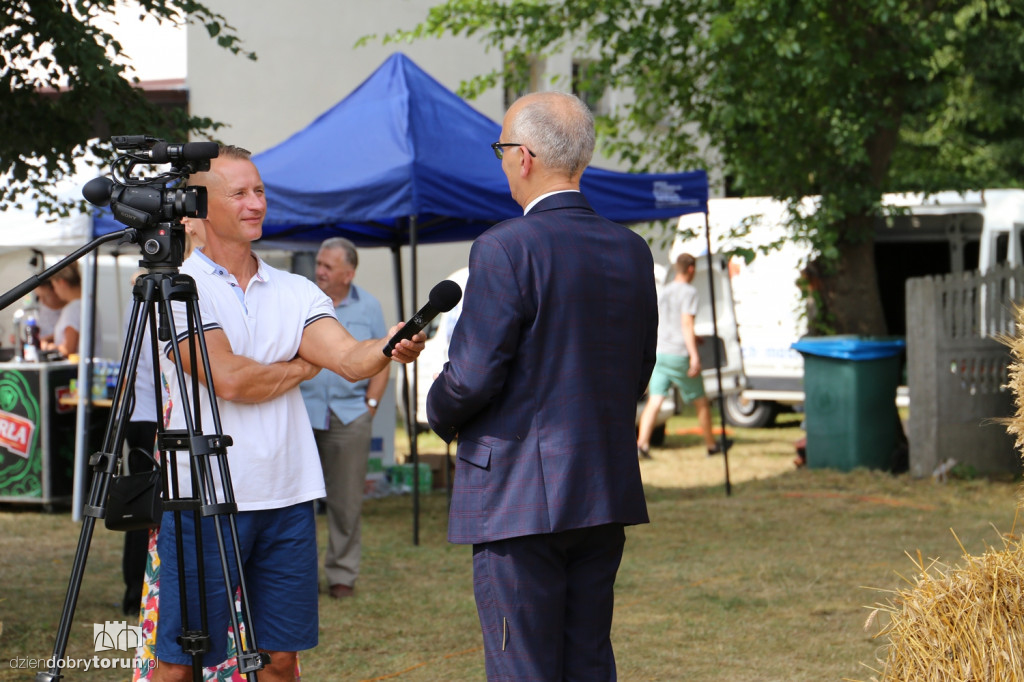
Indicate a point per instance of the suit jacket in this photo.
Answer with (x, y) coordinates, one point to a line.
(554, 346)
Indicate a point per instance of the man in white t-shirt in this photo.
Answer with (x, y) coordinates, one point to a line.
(678, 362)
(266, 331)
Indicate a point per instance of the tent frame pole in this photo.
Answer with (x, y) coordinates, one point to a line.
(413, 422)
(723, 441)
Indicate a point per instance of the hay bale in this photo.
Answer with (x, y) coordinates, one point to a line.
(1015, 424)
(958, 624)
(964, 623)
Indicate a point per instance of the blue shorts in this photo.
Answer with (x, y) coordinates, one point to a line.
(279, 558)
(670, 370)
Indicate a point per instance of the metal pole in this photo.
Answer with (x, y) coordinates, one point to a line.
(410, 429)
(413, 403)
(86, 352)
(724, 443)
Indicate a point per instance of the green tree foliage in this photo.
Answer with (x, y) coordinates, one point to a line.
(60, 86)
(844, 100)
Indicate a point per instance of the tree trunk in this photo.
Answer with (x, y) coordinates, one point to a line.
(849, 292)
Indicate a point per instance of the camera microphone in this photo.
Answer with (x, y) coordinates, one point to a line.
(189, 151)
(443, 298)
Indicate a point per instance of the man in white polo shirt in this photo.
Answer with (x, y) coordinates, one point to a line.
(266, 331)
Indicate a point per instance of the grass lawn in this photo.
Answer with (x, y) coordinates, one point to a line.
(772, 582)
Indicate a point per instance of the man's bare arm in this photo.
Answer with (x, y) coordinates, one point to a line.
(690, 338)
(240, 379)
(326, 343)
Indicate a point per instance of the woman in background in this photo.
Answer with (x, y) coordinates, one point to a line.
(50, 306)
(67, 284)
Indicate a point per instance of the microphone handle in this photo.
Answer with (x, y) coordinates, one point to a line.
(415, 324)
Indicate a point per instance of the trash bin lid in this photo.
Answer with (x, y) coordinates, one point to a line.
(850, 347)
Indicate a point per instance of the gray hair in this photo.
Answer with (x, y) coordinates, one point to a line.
(558, 128)
(351, 256)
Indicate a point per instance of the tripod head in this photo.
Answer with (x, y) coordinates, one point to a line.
(152, 209)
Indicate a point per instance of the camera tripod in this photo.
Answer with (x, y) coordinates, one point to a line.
(153, 293)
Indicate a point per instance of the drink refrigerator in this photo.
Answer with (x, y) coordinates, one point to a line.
(37, 432)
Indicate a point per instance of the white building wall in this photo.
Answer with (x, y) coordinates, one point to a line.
(307, 62)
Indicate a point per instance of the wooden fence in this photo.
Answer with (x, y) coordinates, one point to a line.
(957, 370)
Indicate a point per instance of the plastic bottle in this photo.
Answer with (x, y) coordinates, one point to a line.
(99, 379)
(113, 369)
(31, 339)
(19, 335)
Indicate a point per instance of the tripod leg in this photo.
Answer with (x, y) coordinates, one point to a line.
(103, 464)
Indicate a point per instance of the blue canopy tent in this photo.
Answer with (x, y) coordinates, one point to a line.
(402, 146)
(403, 160)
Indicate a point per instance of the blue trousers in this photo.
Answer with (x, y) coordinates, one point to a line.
(545, 604)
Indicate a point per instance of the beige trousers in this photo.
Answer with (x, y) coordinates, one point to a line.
(344, 452)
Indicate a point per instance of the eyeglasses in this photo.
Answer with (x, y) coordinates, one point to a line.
(500, 153)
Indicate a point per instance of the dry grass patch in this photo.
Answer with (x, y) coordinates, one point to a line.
(765, 584)
(756, 454)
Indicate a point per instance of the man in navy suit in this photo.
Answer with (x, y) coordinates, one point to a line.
(555, 344)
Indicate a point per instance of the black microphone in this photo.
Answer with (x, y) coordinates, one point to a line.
(443, 298)
(189, 151)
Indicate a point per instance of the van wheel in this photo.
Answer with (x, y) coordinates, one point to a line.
(751, 414)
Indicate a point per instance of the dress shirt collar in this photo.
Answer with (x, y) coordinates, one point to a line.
(351, 297)
(545, 196)
(215, 268)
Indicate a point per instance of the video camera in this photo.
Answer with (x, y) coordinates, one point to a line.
(146, 204)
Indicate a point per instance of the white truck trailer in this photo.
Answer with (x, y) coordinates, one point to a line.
(944, 233)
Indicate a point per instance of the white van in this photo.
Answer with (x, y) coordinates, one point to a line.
(945, 233)
(435, 351)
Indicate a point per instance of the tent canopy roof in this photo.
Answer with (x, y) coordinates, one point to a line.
(402, 146)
